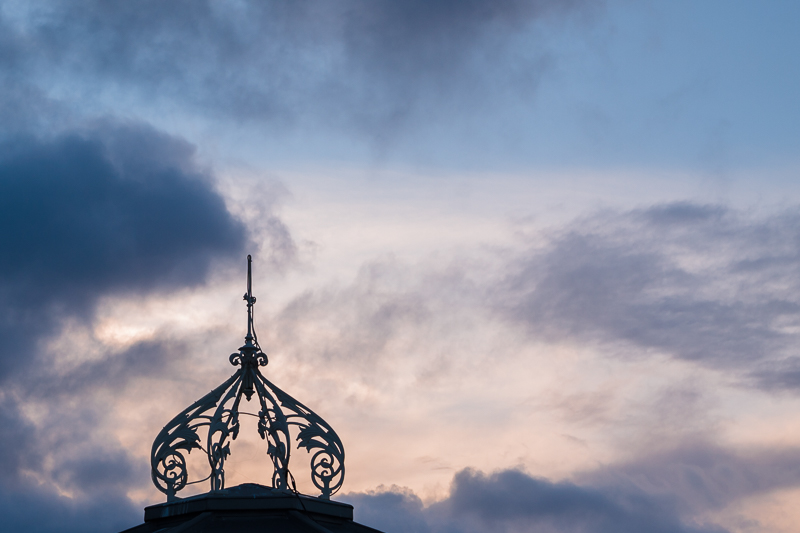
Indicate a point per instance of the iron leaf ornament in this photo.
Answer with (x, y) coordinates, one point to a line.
(212, 422)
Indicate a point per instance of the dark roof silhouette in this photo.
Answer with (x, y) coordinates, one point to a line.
(250, 507)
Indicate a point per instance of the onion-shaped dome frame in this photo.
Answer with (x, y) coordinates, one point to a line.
(217, 416)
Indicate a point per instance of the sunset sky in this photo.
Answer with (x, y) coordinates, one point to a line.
(537, 262)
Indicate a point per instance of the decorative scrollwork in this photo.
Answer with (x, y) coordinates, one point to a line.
(168, 464)
(217, 414)
(327, 468)
(327, 463)
(173, 471)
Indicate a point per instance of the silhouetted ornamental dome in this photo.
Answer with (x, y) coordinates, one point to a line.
(249, 508)
(210, 423)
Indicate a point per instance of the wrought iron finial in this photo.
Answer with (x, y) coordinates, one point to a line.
(251, 301)
(215, 417)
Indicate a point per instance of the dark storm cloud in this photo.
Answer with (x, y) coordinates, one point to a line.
(96, 471)
(395, 510)
(17, 441)
(513, 501)
(106, 209)
(110, 210)
(701, 283)
(37, 510)
(354, 61)
(664, 492)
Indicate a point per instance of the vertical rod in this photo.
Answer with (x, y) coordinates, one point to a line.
(250, 300)
(249, 276)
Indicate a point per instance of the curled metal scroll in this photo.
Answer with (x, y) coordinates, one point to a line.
(217, 416)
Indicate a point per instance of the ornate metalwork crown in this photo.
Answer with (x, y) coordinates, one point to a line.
(216, 416)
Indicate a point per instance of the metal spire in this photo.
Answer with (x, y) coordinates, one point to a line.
(251, 301)
(215, 417)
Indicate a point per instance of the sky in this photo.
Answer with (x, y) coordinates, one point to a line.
(537, 262)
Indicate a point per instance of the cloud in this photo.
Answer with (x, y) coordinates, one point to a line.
(667, 492)
(42, 511)
(114, 369)
(674, 279)
(17, 441)
(513, 501)
(98, 471)
(702, 283)
(393, 510)
(701, 475)
(114, 209)
(63, 476)
(705, 284)
(110, 210)
(353, 63)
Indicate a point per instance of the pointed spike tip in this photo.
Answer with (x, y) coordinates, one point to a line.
(249, 277)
